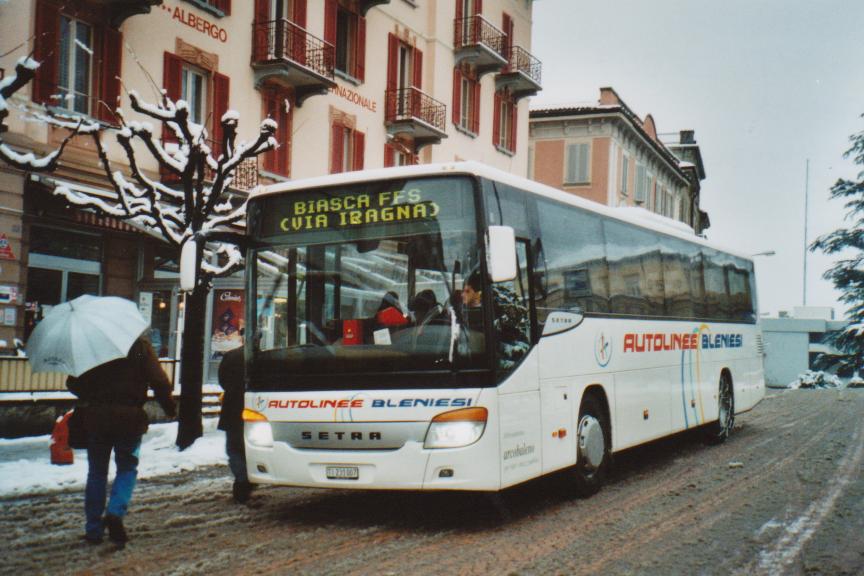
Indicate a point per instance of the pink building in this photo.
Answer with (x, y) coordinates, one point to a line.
(604, 152)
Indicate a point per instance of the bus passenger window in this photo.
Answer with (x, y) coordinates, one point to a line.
(510, 301)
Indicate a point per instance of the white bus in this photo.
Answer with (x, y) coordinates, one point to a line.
(595, 329)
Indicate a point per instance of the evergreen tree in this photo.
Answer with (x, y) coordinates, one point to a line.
(847, 274)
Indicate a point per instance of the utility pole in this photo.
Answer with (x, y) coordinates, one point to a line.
(806, 193)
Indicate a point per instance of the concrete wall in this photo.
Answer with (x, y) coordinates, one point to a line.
(786, 356)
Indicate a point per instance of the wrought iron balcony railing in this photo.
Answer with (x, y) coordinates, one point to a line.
(476, 30)
(412, 104)
(522, 61)
(285, 41)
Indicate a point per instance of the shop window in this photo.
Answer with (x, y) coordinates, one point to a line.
(345, 29)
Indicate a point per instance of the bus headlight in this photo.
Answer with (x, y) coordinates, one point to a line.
(456, 429)
(257, 429)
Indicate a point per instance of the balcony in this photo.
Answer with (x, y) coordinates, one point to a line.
(522, 74)
(480, 44)
(287, 54)
(411, 113)
(366, 5)
(120, 10)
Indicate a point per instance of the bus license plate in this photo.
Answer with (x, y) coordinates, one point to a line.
(343, 472)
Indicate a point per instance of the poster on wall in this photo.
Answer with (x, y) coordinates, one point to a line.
(228, 324)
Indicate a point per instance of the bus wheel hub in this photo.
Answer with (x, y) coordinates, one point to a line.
(591, 442)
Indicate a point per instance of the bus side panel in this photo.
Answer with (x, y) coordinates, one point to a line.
(521, 452)
(642, 407)
(557, 429)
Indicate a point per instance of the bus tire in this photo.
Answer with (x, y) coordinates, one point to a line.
(717, 432)
(593, 444)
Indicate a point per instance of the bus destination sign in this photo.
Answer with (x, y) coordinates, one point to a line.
(335, 212)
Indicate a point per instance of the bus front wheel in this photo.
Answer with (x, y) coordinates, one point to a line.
(593, 442)
(719, 431)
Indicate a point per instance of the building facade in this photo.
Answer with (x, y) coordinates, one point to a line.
(604, 152)
(353, 84)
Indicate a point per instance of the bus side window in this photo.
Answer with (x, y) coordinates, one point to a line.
(512, 312)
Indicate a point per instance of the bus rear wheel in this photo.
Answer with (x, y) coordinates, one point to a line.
(592, 448)
(717, 432)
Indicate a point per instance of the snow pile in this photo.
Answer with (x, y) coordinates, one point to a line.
(813, 379)
(856, 382)
(25, 463)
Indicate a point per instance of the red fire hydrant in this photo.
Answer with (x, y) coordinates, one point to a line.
(61, 453)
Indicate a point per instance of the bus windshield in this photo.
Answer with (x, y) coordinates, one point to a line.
(364, 279)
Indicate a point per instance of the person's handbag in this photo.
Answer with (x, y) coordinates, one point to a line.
(77, 430)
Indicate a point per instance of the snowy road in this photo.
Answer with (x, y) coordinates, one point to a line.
(784, 496)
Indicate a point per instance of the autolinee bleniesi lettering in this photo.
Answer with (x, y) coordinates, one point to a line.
(357, 209)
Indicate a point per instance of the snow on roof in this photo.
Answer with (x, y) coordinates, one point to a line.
(639, 217)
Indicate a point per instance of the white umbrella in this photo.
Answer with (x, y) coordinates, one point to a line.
(83, 333)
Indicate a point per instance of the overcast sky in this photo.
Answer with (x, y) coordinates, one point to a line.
(766, 85)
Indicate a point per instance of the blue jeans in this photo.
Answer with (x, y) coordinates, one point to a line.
(126, 451)
(236, 451)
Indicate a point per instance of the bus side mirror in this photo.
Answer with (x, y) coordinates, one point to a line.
(188, 265)
(501, 253)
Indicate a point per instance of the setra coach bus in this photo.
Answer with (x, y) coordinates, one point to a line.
(454, 327)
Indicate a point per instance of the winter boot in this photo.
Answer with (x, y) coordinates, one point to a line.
(116, 531)
(242, 490)
(93, 538)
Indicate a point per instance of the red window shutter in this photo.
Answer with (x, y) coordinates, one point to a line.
(336, 144)
(221, 89)
(457, 95)
(112, 58)
(330, 13)
(389, 156)
(507, 27)
(261, 31)
(475, 107)
(172, 73)
(359, 150)
(478, 7)
(514, 113)
(418, 69)
(45, 48)
(300, 13)
(268, 99)
(392, 56)
(496, 120)
(361, 48)
(224, 6)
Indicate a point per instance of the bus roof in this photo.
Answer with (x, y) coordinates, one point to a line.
(633, 215)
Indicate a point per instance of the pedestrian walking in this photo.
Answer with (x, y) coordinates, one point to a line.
(232, 380)
(111, 399)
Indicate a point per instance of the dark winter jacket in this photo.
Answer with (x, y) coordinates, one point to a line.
(112, 395)
(232, 380)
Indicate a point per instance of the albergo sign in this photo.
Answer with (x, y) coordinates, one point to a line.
(198, 23)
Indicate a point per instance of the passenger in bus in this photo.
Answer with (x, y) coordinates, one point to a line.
(232, 381)
(424, 306)
(472, 291)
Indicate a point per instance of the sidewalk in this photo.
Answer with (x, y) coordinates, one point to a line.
(25, 463)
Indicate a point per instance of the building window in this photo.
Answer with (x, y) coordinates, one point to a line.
(641, 194)
(625, 174)
(466, 101)
(504, 127)
(74, 85)
(347, 148)
(345, 29)
(194, 92)
(578, 163)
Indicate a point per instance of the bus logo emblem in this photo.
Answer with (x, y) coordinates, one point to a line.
(602, 349)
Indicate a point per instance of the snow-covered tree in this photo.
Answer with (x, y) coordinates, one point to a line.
(847, 274)
(199, 205)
